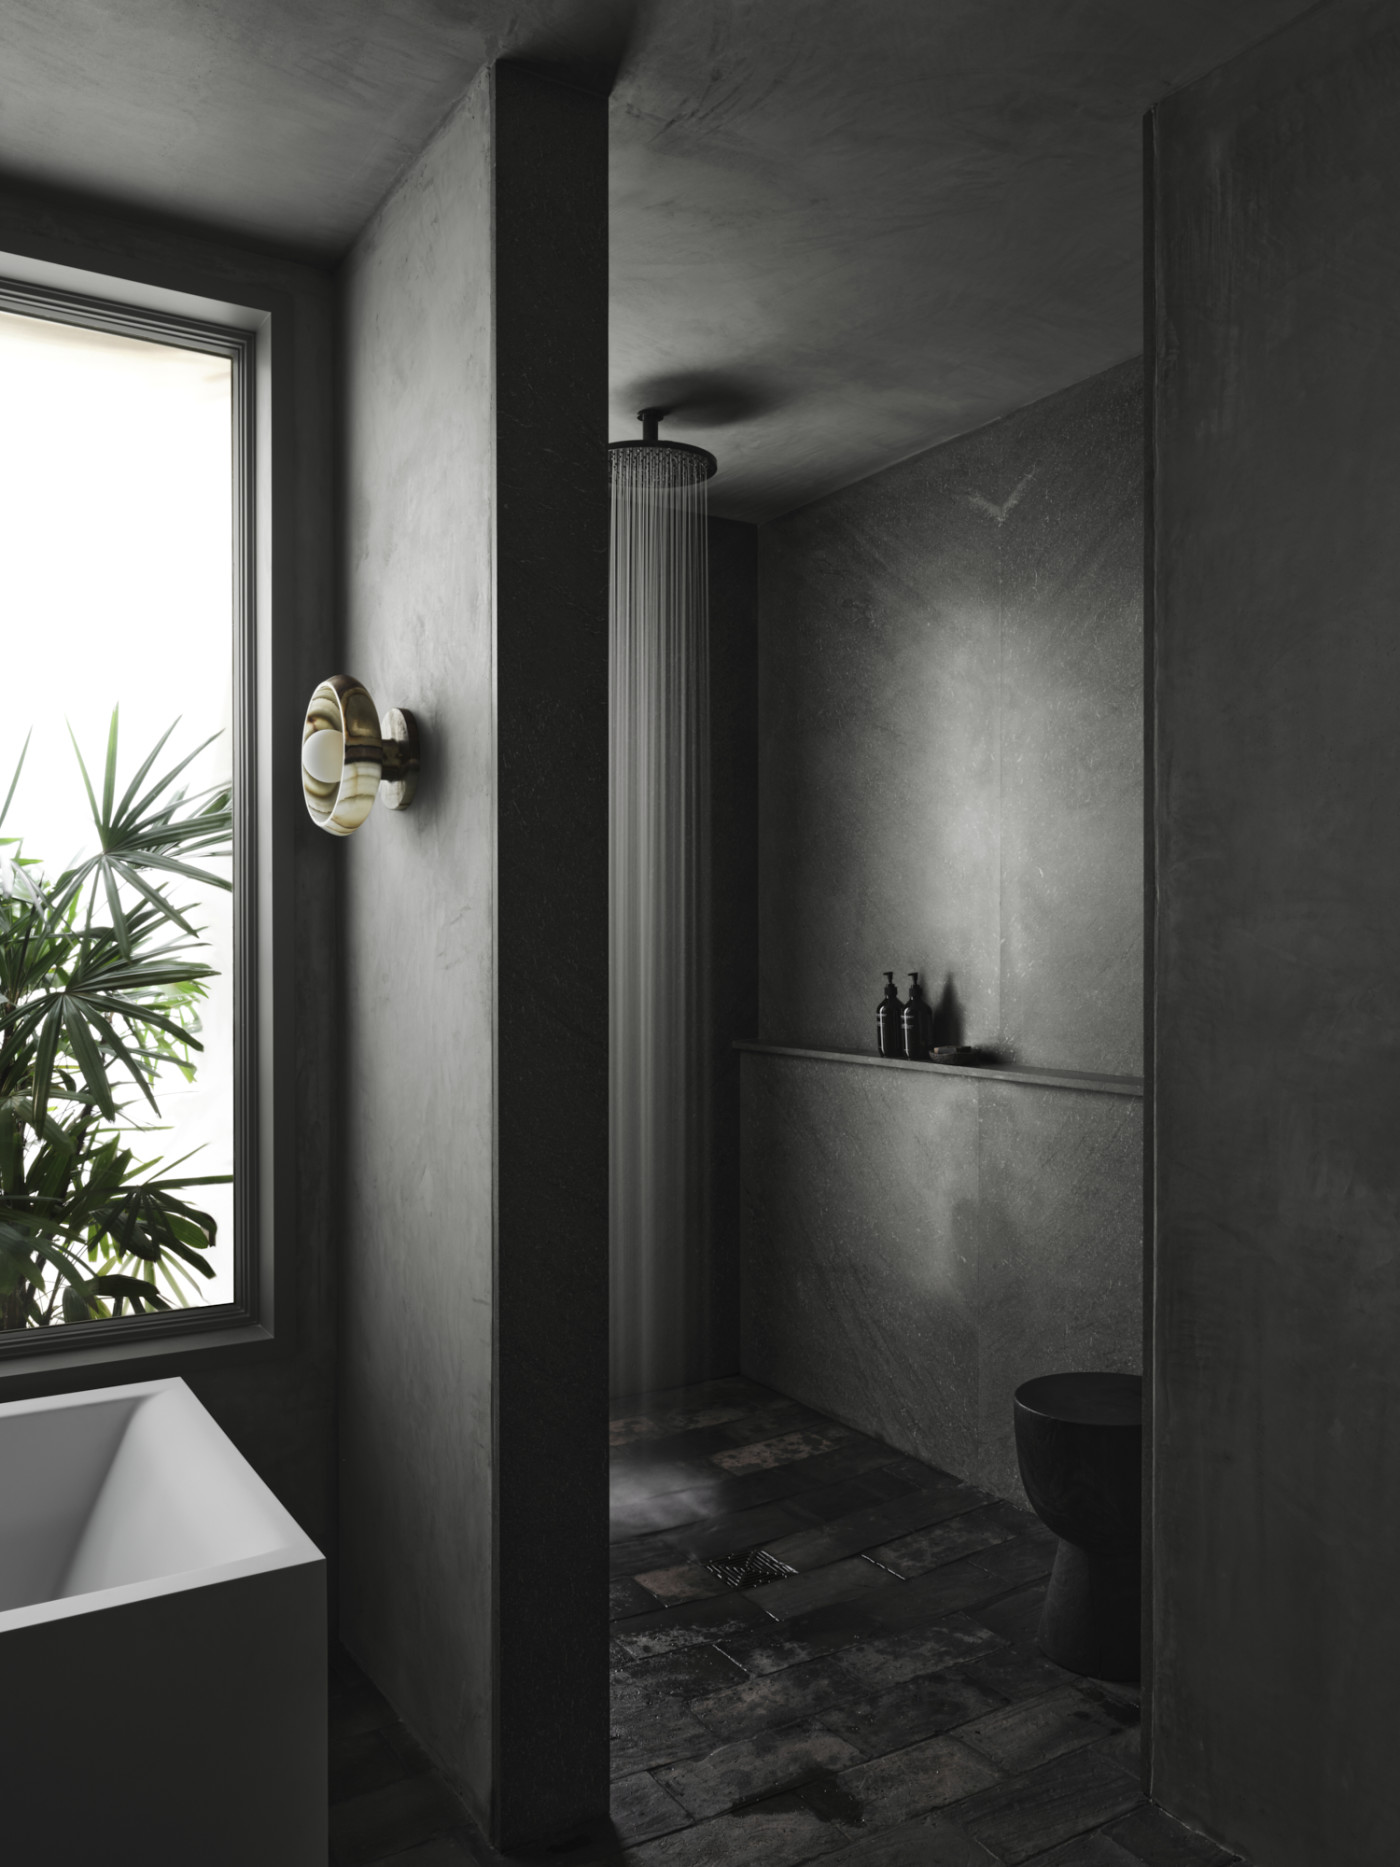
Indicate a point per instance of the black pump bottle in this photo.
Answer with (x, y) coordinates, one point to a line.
(889, 1032)
(915, 1021)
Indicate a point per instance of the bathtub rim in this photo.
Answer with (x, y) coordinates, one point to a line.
(292, 1547)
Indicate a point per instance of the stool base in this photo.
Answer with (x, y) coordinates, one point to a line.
(1092, 1619)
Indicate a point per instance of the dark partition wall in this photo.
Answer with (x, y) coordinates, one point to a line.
(1277, 1263)
(474, 1402)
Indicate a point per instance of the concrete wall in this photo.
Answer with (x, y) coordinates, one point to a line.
(1277, 587)
(950, 780)
(474, 1395)
(274, 1397)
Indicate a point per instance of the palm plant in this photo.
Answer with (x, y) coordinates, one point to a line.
(98, 993)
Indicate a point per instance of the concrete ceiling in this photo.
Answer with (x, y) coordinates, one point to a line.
(843, 230)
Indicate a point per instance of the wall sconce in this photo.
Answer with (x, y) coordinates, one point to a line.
(349, 756)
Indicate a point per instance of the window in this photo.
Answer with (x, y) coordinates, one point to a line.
(126, 1066)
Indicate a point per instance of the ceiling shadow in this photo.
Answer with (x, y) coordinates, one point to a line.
(701, 398)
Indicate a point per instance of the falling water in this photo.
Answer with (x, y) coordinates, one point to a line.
(659, 849)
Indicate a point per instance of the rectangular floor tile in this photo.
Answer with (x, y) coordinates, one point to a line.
(633, 1429)
(910, 1782)
(1124, 1749)
(787, 1449)
(760, 1838)
(1152, 1837)
(1013, 1564)
(656, 1515)
(961, 1584)
(838, 1581)
(1021, 1737)
(734, 1530)
(695, 1623)
(848, 1677)
(746, 1770)
(1018, 1672)
(634, 1555)
(1015, 1617)
(638, 1478)
(883, 1707)
(929, 1476)
(805, 1485)
(909, 1653)
(805, 1637)
(686, 1581)
(901, 1716)
(640, 1808)
(647, 1732)
(926, 1549)
(928, 1841)
(746, 1427)
(1027, 1815)
(1095, 1850)
(775, 1699)
(688, 1672)
(875, 1524)
(777, 1415)
(824, 1503)
(692, 1442)
(627, 1596)
(853, 1460)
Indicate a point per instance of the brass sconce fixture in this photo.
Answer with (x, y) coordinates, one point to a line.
(350, 756)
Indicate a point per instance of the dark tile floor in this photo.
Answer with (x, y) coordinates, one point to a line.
(880, 1704)
(884, 1704)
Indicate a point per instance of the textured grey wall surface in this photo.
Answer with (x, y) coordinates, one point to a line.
(950, 695)
(1277, 1486)
(474, 1400)
(950, 755)
(916, 1246)
(276, 1401)
(416, 1307)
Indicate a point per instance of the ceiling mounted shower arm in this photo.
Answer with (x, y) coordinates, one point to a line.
(663, 463)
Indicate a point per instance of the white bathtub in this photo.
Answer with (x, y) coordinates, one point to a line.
(162, 1643)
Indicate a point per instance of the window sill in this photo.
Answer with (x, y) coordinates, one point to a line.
(94, 1363)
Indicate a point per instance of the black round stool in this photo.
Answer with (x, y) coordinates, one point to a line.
(1079, 1446)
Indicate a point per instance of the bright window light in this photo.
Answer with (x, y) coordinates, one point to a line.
(116, 590)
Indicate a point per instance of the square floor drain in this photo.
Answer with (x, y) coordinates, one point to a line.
(750, 1568)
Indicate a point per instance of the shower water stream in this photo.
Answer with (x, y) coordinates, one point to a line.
(659, 912)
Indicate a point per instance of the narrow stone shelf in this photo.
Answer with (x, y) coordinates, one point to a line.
(995, 1072)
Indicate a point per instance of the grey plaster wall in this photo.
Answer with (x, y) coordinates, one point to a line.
(475, 1289)
(275, 1398)
(1277, 584)
(950, 704)
(918, 1245)
(950, 747)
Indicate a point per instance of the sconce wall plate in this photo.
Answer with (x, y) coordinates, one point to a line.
(349, 756)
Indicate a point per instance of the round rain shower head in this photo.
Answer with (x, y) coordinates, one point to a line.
(658, 462)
